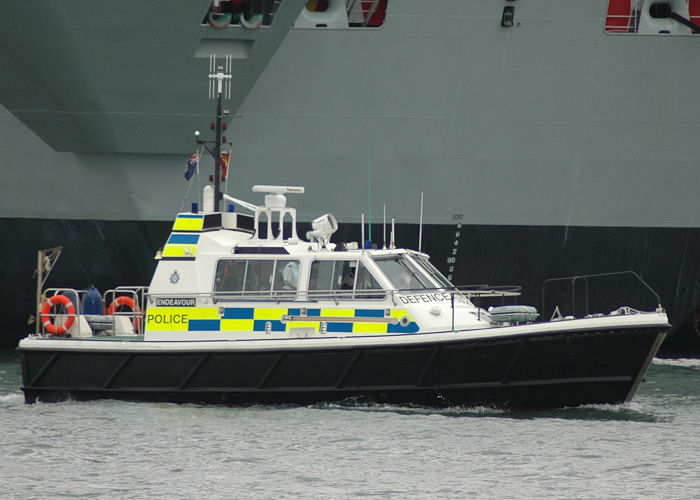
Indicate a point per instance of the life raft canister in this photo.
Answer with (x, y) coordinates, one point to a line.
(46, 311)
(125, 301)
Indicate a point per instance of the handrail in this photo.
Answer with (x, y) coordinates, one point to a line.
(490, 291)
(469, 291)
(455, 295)
(574, 279)
(291, 295)
(138, 294)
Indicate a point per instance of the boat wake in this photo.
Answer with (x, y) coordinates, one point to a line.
(12, 399)
(365, 404)
(681, 362)
(633, 412)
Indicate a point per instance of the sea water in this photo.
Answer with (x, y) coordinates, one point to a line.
(649, 448)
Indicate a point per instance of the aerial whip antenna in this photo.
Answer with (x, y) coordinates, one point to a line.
(369, 190)
(362, 231)
(384, 229)
(420, 224)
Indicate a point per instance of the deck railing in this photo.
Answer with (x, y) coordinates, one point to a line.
(592, 285)
(106, 321)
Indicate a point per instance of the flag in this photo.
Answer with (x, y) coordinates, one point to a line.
(224, 164)
(192, 164)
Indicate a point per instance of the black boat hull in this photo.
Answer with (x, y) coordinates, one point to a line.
(555, 369)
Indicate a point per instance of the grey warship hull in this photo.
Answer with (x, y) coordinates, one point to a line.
(552, 147)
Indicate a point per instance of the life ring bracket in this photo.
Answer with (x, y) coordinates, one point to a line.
(126, 301)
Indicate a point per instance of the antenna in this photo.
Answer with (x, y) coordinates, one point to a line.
(420, 224)
(220, 77)
(369, 189)
(384, 229)
(362, 231)
(391, 244)
(278, 189)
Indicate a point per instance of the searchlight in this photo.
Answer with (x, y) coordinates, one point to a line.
(323, 229)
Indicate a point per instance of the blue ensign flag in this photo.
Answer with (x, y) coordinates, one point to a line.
(191, 165)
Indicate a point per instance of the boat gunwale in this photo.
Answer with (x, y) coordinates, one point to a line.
(532, 330)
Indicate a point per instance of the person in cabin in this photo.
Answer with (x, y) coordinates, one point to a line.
(348, 279)
(290, 275)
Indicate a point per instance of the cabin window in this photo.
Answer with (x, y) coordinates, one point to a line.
(432, 271)
(366, 285)
(402, 273)
(274, 278)
(230, 275)
(332, 275)
(287, 276)
(258, 275)
(345, 279)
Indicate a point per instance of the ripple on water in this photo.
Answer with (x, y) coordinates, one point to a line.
(113, 449)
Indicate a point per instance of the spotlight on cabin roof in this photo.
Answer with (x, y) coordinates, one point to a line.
(323, 229)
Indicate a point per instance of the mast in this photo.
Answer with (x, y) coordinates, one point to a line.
(219, 86)
(217, 154)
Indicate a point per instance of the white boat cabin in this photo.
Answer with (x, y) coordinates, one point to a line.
(218, 278)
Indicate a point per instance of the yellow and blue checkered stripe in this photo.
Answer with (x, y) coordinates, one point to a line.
(182, 245)
(256, 319)
(189, 222)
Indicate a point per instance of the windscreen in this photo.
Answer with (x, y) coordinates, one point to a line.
(403, 273)
(432, 271)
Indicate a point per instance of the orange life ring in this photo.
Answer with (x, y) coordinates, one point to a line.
(46, 311)
(126, 302)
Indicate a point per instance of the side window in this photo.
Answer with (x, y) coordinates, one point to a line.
(229, 276)
(342, 279)
(321, 276)
(332, 278)
(258, 276)
(344, 275)
(366, 286)
(286, 275)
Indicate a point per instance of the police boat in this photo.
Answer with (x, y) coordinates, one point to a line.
(237, 314)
